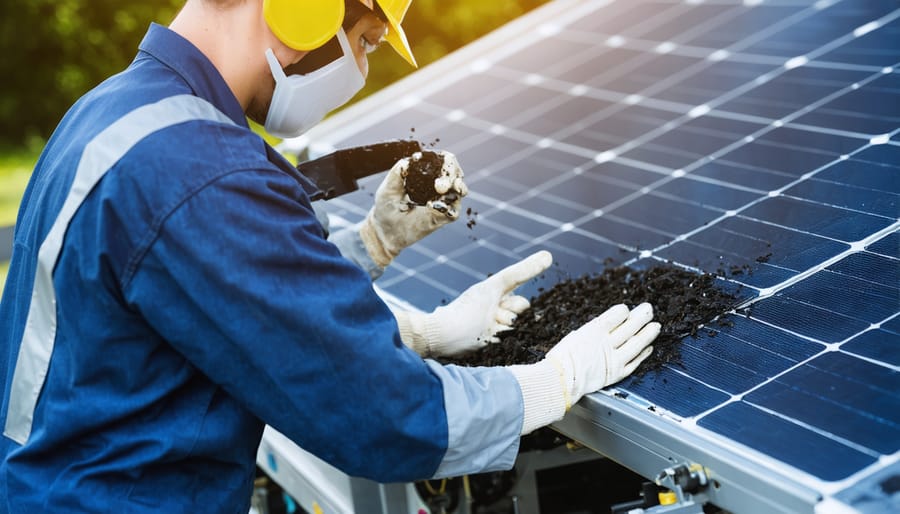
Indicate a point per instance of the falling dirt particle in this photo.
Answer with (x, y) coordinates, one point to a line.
(471, 215)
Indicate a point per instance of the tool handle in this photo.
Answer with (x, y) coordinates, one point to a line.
(336, 174)
(362, 161)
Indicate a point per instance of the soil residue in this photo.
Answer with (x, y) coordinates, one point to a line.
(424, 168)
(683, 302)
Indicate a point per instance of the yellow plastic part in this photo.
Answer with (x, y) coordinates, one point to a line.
(304, 24)
(667, 498)
(395, 10)
(316, 508)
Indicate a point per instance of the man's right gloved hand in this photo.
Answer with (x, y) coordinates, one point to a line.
(601, 352)
(394, 222)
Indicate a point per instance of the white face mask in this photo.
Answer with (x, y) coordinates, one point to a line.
(301, 101)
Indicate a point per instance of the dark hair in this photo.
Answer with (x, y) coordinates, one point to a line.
(354, 10)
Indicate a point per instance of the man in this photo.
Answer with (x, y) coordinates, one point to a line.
(171, 289)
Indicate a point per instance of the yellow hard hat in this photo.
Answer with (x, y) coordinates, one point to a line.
(309, 24)
(395, 10)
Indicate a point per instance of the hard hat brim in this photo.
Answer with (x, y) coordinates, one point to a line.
(397, 39)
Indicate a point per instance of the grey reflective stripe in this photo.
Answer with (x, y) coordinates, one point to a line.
(484, 419)
(100, 154)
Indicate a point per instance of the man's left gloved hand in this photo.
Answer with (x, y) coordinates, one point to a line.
(473, 319)
(394, 222)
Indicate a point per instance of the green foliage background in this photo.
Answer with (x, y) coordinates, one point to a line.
(56, 50)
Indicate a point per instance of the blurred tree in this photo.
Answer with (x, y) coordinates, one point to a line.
(56, 50)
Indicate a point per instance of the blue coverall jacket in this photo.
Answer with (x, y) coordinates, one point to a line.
(171, 292)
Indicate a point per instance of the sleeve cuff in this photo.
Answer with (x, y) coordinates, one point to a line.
(408, 324)
(351, 246)
(542, 394)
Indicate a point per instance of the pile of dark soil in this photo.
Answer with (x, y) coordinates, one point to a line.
(683, 302)
(424, 167)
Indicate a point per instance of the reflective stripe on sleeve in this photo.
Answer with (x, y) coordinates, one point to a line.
(484, 419)
(99, 155)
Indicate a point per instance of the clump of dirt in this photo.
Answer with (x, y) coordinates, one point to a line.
(424, 168)
(471, 214)
(683, 302)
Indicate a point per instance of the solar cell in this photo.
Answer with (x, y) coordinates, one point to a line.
(756, 140)
(845, 397)
(788, 441)
(880, 345)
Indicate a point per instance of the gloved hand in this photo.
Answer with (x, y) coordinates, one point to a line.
(394, 222)
(473, 319)
(604, 350)
(601, 352)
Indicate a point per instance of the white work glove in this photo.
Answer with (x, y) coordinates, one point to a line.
(473, 319)
(601, 352)
(394, 222)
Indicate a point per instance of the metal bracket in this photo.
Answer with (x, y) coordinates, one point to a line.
(678, 490)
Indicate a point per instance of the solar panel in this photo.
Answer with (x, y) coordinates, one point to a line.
(758, 140)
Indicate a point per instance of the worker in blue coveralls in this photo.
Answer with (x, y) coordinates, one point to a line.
(171, 289)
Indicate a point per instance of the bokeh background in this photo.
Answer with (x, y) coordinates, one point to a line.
(56, 50)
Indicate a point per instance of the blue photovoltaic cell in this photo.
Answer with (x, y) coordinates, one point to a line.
(769, 339)
(787, 441)
(664, 215)
(852, 297)
(892, 325)
(834, 145)
(877, 48)
(737, 241)
(625, 232)
(848, 197)
(868, 111)
(677, 392)
(823, 220)
(551, 210)
(759, 141)
(863, 174)
(491, 151)
(872, 268)
(711, 82)
(706, 194)
(484, 257)
(559, 118)
(420, 291)
(744, 175)
(789, 161)
(877, 344)
(586, 192)
(618, 173)
(721, 359)
(806, 319)
(575, 255)
(850, 398)
(792, 91)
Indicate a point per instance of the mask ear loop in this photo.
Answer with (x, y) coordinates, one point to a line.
(348, 52)
(275, 66)
(345, 44)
